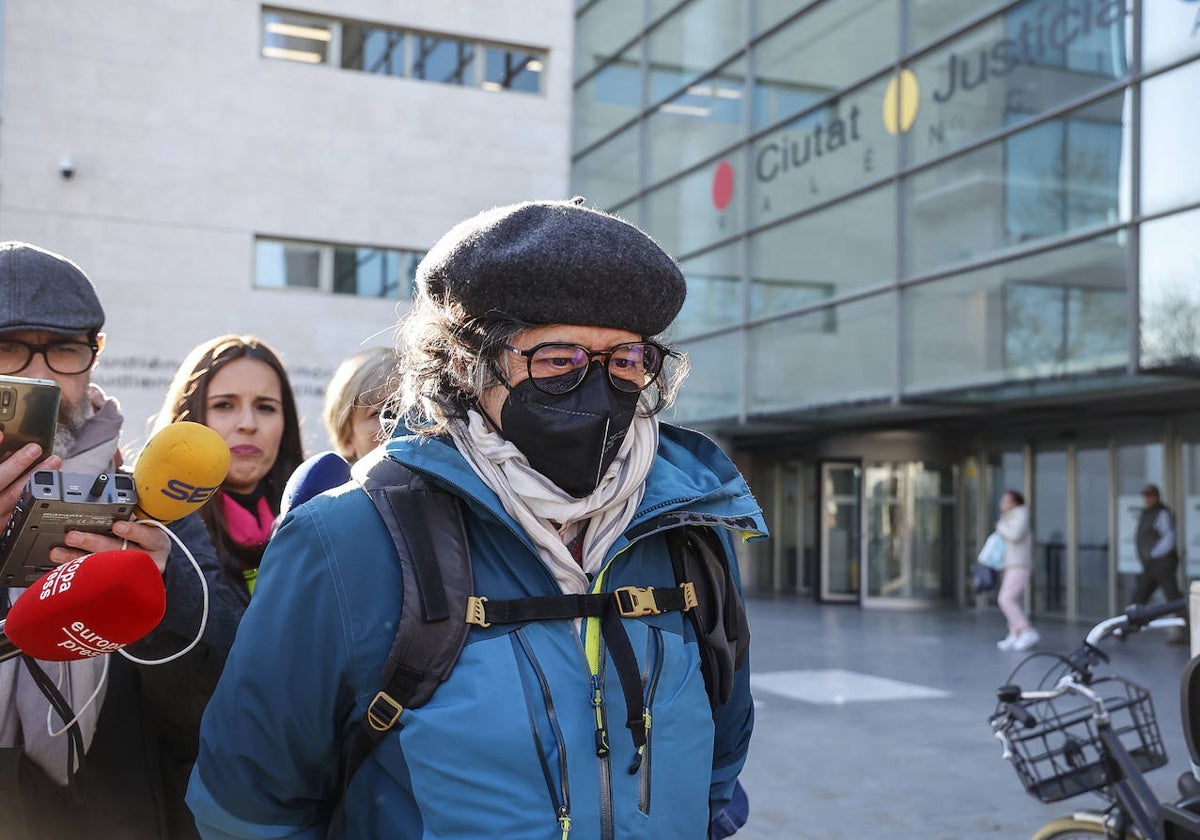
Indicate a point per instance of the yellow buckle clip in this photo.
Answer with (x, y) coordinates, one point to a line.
(383, 721)
(689, 595)
(640, 601)
(475, 612)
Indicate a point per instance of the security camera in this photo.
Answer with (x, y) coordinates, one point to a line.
(66, 167)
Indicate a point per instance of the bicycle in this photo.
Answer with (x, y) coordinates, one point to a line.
(1078, 731)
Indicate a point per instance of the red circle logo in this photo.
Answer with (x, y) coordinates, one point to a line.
(722, 185)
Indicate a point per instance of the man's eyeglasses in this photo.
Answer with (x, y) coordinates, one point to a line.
(560, 368)
(65, 357)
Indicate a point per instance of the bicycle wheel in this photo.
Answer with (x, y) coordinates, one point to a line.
(1073, 828)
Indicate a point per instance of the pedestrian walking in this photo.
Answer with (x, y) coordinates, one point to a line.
(1013, 528)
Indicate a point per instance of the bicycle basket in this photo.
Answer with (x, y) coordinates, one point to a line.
(1060, 756)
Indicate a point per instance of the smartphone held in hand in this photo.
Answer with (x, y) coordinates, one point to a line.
(28, 414)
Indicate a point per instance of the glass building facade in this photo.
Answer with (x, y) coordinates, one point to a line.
(935, 249)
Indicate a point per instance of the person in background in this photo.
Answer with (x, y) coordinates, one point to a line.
(354, 413)
(354, 402)
(51, 323)
(1156, 550)
(1013, 528)
(532, 371)
(237, 386)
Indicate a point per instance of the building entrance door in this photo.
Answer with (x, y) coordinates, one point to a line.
(841, 531)
(1049, 508)
(1093, 579)
(910, 532)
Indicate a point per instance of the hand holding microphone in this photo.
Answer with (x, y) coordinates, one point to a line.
(99, 602)
(179, 470)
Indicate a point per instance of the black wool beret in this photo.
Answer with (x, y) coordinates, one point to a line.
(555, 262)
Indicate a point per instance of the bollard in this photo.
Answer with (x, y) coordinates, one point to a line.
(1194, 616)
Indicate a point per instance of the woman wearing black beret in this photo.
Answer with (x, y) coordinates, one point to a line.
(602, 686)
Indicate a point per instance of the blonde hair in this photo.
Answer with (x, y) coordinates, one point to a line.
(361, 380)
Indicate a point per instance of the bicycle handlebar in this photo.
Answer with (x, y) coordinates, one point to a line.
(1012, 707)
(1024, 716)
(1148, 613)
(1013, 699)
(1169, 614)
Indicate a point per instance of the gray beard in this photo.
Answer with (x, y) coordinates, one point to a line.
(71, 419)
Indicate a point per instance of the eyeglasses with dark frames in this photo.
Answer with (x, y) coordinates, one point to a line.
(557, 368)
(65, 357)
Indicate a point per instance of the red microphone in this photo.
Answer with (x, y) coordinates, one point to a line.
(89, 607)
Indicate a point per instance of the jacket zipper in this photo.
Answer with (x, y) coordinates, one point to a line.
(593, 655)
(654, 670)
(606, 795)
(562, 804)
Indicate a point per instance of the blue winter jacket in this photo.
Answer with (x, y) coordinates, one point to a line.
(506, 747)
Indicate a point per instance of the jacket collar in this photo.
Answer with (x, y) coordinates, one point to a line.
(691, 481)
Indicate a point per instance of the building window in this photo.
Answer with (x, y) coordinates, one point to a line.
(390, 51)
(294, 37)
(443, 60)
(1057, 325)
(287, 265)
(335, 269)
(505, 69)
(1063, 175)
(1098, 47)
(372, 50)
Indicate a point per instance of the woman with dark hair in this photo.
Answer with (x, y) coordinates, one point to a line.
(1013, 528)
(237, 386)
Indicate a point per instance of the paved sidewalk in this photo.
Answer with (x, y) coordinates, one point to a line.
(884, 733)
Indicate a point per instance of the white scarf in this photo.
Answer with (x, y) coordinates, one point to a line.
(545, 511)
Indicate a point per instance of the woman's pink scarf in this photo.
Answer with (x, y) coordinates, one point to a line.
(248, 528)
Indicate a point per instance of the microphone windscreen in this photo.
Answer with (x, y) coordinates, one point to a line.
(179, 470)
(321, 472)
(88, 607)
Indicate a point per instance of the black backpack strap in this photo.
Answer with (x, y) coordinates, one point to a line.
(722, 631)
(428, 531)
(626, 602)
(426, 527)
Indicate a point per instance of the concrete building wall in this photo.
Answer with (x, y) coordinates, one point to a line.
(187, 144)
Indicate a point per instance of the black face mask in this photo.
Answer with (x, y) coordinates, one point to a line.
(570, 438)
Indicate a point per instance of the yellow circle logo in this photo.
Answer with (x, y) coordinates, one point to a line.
(900, 102)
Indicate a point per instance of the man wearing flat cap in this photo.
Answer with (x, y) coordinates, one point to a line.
(603, 687)
(50, 329)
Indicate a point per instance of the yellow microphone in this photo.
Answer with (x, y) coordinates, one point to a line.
(179, 470)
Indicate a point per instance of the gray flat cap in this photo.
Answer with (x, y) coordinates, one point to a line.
(40, 290)
(555, 262)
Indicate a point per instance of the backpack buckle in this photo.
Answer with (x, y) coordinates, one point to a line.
(636, 601)
(475, 611)
(385, 717)
(689, 595)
